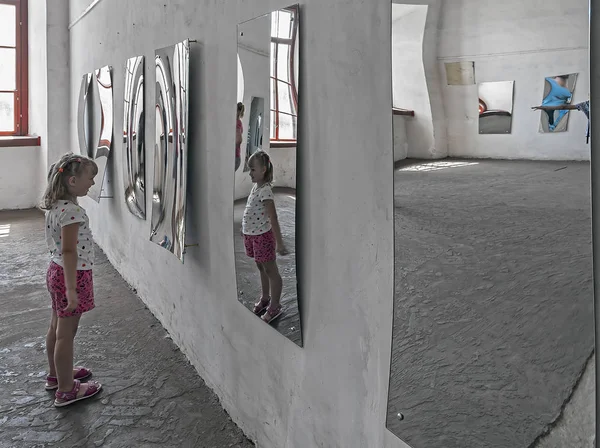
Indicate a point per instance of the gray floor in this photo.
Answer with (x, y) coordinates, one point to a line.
(152, 396)
(248, 280)
(493, 310)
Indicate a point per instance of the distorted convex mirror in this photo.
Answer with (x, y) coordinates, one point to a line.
(268, 144)
(171, 148)
(84, 117)
(133, 137)
(95, 125)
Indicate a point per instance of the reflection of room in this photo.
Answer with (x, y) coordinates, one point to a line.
(268, 52)
(490, 337)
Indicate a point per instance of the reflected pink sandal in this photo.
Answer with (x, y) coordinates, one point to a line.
(261, 306)
(67, 398)
(81, 373)
(272, 314)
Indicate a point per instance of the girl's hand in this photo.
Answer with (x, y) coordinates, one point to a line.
(72, 300)
(281, 249)
(536, 108)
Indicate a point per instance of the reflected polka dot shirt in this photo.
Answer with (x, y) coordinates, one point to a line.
(255, 220)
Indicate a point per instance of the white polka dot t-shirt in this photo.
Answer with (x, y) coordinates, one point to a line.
(255, 220)
(62, 214)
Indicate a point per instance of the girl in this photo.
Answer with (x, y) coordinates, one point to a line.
(239, 129)
(262, 235)
(69, 277)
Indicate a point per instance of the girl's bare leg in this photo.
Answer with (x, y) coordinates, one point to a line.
(264, 281)
(66, 329)
(272, 272)
(51, 343)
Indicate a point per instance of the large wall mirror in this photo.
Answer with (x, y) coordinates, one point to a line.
(493, 308)
(266, 149)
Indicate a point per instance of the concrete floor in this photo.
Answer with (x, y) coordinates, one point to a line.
(493, 311)
(248, 279)
(152, 396)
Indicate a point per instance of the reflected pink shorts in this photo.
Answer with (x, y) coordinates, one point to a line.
(261, 247)
(55, 281)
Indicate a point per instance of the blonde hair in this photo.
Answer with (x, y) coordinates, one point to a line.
(265, 161)
(67, 166)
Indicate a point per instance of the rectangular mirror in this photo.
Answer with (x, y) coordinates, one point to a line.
(171, 148)
(493, 296)
(267, 147)
(495, 107)
(134, 150)
(558, 91)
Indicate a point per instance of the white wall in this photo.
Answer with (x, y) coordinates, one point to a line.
(19, 177)
(409, 84)
(38, 89)
(438, 148)
(49, 86)
(521, 41)
(332, 392)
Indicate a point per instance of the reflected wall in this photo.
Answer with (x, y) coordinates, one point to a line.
(171, 148)
(133, 137)
(268, 49)
(558, 91)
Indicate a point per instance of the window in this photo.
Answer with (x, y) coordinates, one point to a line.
(13, 67)
(284, 94)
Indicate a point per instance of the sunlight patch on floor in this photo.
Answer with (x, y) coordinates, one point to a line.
(436, 166)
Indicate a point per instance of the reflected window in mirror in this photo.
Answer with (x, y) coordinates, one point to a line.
(284, 92)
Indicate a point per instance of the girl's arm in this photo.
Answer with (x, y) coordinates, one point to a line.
(561, 107)
(272, 214)
(69, 234)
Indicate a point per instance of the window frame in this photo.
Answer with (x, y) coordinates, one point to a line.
(292, 42)
(21, 109)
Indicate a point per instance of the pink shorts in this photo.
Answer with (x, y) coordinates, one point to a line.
(55, 281)
(261, 247)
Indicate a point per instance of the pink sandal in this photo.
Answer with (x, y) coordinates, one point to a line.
(272, 314)
(81, 374)
(67, 398)
(261, 306)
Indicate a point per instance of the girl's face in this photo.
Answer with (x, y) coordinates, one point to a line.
(80, 185)
(257, 172)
